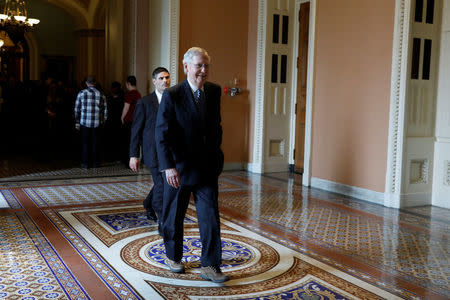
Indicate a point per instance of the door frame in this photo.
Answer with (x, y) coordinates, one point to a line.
(306, 178)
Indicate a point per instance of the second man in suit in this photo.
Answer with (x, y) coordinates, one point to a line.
(143, 134)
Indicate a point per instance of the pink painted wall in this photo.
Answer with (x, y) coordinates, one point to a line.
(220, 27)
(354, 40)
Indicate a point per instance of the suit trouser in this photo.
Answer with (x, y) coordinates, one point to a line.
(175, 204)
(154, 199)
(125, 147)
(90, 139)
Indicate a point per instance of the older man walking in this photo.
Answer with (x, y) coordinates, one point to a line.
(188, 139)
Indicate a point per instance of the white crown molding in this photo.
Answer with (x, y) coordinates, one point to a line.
(397, 103)
(348, 190)
(174, 11)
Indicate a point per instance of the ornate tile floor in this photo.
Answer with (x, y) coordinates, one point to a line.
(88, 238)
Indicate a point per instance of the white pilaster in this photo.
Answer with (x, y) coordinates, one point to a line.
(164, 24)
(396, 140)
(258, 134)
(441, 173)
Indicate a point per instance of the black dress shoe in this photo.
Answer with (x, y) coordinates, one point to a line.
(151, 215)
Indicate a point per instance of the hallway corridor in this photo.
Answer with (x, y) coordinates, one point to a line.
(82, 234)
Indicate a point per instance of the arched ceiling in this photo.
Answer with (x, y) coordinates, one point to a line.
(84, 12)
(84, 3)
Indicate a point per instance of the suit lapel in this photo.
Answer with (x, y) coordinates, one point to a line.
(155, 103)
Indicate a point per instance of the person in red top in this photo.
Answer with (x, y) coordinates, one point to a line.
(131, 97)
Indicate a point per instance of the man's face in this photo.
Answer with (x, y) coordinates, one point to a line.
(162, 81)
(197, 70)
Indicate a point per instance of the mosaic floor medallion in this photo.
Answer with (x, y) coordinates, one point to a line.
(235, 254)
(241, 256)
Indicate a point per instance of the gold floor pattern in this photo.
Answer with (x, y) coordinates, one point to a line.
(281, 241)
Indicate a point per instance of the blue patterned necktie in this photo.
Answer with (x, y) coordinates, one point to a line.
(198, 96)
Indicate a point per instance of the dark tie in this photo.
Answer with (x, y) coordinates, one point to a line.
(198, 96)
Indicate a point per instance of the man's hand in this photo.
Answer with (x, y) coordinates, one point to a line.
(77, 126)
(172, 177)
(134, 163)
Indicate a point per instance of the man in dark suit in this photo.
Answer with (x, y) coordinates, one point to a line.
(143, 134)
(188, 140)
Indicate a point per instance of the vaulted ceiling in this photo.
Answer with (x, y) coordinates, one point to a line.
(86, 13)
(84, 3)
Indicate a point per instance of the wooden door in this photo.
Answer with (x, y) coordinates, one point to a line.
(302, 66)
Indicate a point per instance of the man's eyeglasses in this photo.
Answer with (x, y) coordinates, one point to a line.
(199, 66)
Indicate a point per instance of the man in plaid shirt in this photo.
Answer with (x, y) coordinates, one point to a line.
(90, 114)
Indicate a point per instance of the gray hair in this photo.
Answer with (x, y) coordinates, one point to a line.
(194, 51)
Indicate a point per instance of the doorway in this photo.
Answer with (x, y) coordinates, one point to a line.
(300, 107)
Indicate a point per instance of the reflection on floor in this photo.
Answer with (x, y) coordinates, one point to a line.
(69, 236)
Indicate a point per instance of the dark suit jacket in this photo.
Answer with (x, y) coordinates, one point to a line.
(183, 141)
(143, 130)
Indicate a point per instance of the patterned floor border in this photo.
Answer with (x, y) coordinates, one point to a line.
(44, 173)
(158, 282)
(29, 279)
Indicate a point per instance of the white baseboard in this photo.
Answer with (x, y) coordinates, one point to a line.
(271, 166)
(234, 166)
(267, 167)
(407, 200)
(392, 200)
(417, 199)
(255, 168)
(348, 190)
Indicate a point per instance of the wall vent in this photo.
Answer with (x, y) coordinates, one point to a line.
(276, 148)
(418, 171)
